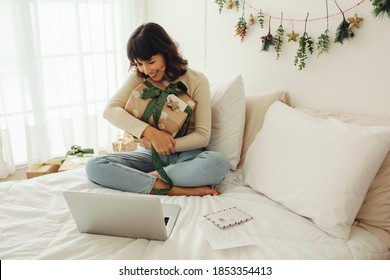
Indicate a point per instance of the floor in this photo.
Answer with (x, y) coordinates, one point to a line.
(19, 174)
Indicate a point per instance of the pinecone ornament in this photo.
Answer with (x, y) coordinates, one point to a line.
(241, 28)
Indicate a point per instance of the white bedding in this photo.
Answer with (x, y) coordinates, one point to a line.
(35, 223)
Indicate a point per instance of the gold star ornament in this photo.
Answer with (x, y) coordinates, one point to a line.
(292, 36)
(354, 21)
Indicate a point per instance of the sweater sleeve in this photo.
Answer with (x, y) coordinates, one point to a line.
(199, 132)
(115, 113)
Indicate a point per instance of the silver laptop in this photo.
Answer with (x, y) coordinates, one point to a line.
(126, 215)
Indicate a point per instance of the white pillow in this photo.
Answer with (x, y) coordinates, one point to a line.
(318, 168)
(228, 119)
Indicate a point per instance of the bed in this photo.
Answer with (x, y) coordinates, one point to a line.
(35, 221)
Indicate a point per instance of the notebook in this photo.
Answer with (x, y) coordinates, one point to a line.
(124, 214)
(228, 217)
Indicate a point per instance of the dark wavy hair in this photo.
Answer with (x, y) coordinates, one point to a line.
(150, 39)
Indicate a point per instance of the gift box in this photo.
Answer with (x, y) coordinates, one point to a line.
(40, 169)
(124, 143)
(174, 112)
(73, 162)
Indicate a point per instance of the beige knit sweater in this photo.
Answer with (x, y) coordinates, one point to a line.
(199, 131)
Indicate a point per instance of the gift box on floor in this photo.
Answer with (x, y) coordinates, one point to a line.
(175, 110)
(124, 143)
(40, 169)
(73, 162)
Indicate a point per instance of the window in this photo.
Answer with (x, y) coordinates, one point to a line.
(60, 61)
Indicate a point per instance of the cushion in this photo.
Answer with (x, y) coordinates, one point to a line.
(318, 168)
(256, 107)
(228, 119)
(374, 215)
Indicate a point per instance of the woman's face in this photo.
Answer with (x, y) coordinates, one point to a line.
(154, 67)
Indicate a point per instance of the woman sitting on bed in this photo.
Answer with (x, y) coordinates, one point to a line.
(153, 55)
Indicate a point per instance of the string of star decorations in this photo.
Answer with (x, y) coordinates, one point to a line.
(307, 46)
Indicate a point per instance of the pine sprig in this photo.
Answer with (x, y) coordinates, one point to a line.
(305, 48)
(279, 41)
(220, 4)
(381, 7)
(323, 43)
(343, 32)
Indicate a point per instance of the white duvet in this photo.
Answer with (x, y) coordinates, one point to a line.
(35, 223)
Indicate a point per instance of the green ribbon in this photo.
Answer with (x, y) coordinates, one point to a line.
(76, 150)
(154, 108)
(158, 98)
(160, 170)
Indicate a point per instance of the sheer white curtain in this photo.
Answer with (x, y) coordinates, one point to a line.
(60, 61)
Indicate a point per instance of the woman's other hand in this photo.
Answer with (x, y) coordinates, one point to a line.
(163, 142)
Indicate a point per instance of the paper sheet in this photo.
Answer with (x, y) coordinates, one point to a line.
(230, 237)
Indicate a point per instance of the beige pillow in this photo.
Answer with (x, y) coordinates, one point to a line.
(374, 215)
(228, 115)
(256, 107)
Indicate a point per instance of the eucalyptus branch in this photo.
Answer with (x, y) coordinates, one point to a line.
(323, 43)
(279, 38)
(305, 48)
(220, 4)
(237, 3)
(260, 17)
(324, 40)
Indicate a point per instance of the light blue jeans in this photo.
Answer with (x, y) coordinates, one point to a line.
(129, 171)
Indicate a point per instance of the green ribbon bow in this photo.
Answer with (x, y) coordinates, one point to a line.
(158, 98)
(154, 108)
(76, 150)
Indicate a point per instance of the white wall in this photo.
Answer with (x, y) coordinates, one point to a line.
(352, 77)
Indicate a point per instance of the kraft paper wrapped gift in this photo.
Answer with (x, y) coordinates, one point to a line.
(73, 162)
(40, 169)
(173, 115)
(124, 143)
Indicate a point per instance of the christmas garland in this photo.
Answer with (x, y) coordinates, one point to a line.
(345, 30)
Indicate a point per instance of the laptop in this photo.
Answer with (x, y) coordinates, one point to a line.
(125, 215)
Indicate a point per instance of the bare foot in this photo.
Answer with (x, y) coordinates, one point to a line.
(193, 191)
(188, 191)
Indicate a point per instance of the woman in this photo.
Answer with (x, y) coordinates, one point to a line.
(153, 55)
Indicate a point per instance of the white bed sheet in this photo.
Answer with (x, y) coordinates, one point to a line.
(35, 223)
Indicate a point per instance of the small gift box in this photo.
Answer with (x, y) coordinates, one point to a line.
(44, 168)
(73, 162)
(124, 143)
(174, 105)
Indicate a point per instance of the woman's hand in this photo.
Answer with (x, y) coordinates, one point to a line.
(163, 142)
(144, 142)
